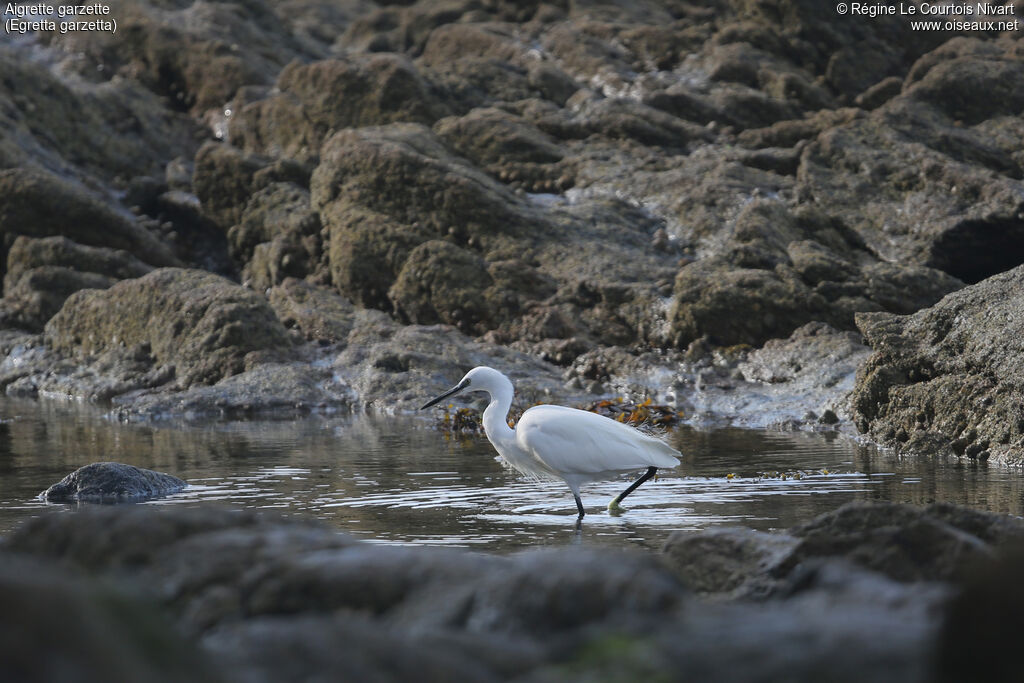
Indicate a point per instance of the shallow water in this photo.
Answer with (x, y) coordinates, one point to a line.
(399, 480)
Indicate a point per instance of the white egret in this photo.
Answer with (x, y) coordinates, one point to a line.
(554, 441)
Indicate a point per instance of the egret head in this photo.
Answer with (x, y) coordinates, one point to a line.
(478, 379)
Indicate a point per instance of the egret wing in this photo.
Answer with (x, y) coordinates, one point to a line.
(571, 441)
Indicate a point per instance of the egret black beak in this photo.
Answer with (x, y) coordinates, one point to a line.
(454, 390)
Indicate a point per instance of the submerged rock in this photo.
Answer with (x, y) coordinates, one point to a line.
(112, 482)
(948, 379)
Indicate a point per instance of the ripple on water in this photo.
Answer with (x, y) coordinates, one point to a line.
(396, 480)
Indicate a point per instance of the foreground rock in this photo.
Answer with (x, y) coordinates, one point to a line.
(112, 482)
(853, 596)
(59, 625)
(941, 542)
(947, 380)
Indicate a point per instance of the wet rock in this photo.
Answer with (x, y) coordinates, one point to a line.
(43, 272)
(945, 166)
(204, 325)
(440, 282)
(40, 205)
(727, 561)
(62, 626)
(112, 482)
(379, 89)
(783, 269)
(942, 380)
(938, 542)
(264, 390)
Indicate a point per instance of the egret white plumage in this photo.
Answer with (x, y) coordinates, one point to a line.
(554, 441)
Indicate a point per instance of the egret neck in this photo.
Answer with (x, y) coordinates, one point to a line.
(496, 414)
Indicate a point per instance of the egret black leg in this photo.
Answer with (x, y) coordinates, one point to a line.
(579, 505)
(614, 505)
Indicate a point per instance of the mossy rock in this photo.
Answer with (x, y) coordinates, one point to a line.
(206, 326)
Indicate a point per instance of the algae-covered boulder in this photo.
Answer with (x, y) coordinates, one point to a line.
(312, 100)
(403, 171)
(777, 269)
(41, 205)
(224, 179)
(366, 252)
(441, 282)
(43, 272)
(202, 324)
(949, 378)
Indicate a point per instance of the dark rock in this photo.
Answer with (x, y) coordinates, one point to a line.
(481, 64)
(938, 542)
(306, 108)
(319, 313)
(255, 589)
(197, 56)
(43, 272)
(976, 633)
(936, 185)
(442, 283)
(727, 561)
(306, 647)
(880, 93)
(205, 326)
(505, 146)
(39, 205)
(224, 180)
(277, 236)
(59, 626)
(366, 252)
(77, 128)
(112, 482)
(403, 172)
(778, 270)
(946, 376)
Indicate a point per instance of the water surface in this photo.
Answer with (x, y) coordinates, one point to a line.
(400, 480)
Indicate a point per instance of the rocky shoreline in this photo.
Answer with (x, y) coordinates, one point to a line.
(702, 204)
(762, 214)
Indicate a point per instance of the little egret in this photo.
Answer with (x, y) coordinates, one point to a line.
(554, 441)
